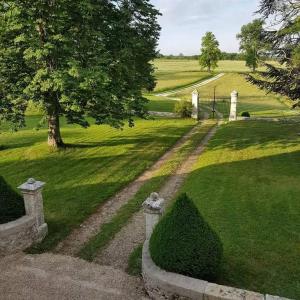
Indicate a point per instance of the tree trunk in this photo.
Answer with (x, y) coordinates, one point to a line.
(54, 136)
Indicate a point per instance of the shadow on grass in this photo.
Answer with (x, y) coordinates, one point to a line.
(83, 176)
(239, 135)
(254, 206)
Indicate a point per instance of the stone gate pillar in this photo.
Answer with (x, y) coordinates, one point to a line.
(233, 106)
(153, 209)
(196, 105)
(33, 201)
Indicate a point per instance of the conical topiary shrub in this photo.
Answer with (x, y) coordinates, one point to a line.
(11, 203)
(182, 242)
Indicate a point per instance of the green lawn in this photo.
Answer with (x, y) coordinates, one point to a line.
(246, 185)
(99, 162)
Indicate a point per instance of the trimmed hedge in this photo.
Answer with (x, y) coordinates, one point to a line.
(182, 242)
(11, 203)
(245, 114)
(184, 108)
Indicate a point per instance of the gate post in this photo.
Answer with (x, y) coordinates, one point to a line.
(233, 106)
(33, 201)
(196, 105)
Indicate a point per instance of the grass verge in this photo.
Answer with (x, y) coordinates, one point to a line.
(135, 261)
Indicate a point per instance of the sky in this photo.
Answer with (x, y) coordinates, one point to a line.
(184, 22)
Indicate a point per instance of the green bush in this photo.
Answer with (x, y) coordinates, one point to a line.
(184, 243)
(11, 203)
(184, 108)
(245, 114)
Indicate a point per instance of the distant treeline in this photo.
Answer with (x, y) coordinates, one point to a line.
(224, 56)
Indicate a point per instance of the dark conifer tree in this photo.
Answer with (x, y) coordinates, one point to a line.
(283, 18)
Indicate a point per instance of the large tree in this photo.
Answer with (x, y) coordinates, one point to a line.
(283, 34)
(210, 52)
(251, 43)
(78, 59)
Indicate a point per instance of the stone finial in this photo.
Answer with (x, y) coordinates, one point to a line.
(31, 185)
(154, 203)
(153, 209)
(234, 93)
(195, 92)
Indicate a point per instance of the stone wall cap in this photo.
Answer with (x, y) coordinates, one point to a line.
(270, 297)
(31, 185)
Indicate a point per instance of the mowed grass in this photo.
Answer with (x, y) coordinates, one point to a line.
(99, 161)
(251, 99)
(246, 185)
(159, 103)
(170, 80)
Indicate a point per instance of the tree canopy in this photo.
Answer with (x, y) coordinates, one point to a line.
(210, 52)
(283, 34)
(251, 43)
(76, 59)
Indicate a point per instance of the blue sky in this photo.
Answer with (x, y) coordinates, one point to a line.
(184, 22)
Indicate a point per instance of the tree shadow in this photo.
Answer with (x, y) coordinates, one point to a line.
(239, 135)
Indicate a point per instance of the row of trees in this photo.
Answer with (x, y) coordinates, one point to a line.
(224, 56)
(77, 59)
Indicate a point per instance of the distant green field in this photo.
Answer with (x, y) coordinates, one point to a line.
(165, 66)
(176, 73)
(246, 185)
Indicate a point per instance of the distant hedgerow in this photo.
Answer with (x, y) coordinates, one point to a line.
(11, 203)
(184, 243)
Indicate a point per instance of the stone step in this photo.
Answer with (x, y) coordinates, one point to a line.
(50, 276)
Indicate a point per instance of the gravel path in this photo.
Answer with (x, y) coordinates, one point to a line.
(72, 244)
(199, 84)
(117, 252)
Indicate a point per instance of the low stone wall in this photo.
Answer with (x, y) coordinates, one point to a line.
(31, 228)
(161, 284)
(163, 114)
(17, 235)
